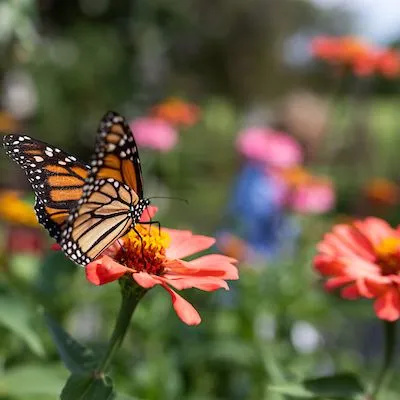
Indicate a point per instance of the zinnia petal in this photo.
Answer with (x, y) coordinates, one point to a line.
(189, 245)
(334, 283)
(350, 292)
(207, 284)
(387, 306)
(375, 229)
(104, 270)
(216, 265)
(185, 311)
(146, 280)
(148, 214)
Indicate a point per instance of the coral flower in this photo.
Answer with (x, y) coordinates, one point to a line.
(177, 112)
(154, 133)
(364, 259)
(156, 258)
(388, 63)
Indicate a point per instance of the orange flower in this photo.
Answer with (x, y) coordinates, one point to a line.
(364, 259)
(295, 176)
(177, 112)
(352, 49)
(364, 59)
(155, 258)
(382, 191)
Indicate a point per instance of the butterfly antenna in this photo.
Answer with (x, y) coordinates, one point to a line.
(170, 198)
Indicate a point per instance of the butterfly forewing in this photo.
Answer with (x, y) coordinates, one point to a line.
(57, 178)
(116, 154)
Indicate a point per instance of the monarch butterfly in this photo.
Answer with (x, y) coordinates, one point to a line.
(85, 208)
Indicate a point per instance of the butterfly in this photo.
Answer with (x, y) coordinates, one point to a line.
(85, 207)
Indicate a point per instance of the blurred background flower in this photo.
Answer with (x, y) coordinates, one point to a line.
(177, 112)
(154, 133)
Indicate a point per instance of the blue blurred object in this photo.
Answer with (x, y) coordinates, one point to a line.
(257, 215)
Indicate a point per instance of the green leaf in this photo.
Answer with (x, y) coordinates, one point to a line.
(121, 396)
(32, 380)
(88, 387)
(15, 315)
(292, 389)
(76, 357)
(343, 386)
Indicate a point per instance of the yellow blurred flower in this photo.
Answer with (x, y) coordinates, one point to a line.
(14, 210)
(177, 112)
(382, 191)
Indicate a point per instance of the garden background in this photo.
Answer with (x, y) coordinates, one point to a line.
(222, 68)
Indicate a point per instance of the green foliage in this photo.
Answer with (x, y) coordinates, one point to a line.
(344, 386)
(26, 382)
(16, 316)
(87, 387)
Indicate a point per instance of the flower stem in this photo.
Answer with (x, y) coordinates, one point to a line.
(390, 344)
(131, 295)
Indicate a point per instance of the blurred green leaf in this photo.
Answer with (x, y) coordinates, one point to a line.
(76, 357)
(15, 315)
(343, 386)
(30, 380)
(121, 396)
(88, 387)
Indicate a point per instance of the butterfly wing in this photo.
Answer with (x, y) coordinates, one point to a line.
(104, 214)
(112, 194)
(57, 178)
(116, 155)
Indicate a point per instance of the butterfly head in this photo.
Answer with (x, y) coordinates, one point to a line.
(138, 208)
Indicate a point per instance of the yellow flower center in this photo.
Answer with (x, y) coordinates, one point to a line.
(388, 255)
(144, 250)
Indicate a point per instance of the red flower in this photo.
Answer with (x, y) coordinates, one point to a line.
(388, 63)
(155, 258)
(364, 259)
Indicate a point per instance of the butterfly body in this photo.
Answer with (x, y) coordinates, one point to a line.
(85, 208)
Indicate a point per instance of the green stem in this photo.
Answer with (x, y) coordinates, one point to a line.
(390, 344)
(131, 295)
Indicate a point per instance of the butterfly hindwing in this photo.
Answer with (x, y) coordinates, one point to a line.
(56, 177)
(105, 213)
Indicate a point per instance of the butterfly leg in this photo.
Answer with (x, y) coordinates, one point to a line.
(152, 223)
(141, 241)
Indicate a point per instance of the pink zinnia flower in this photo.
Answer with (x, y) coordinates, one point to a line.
(154, 133)
(364, 259)
(315, 197)
(274, 149)
(156, 258)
